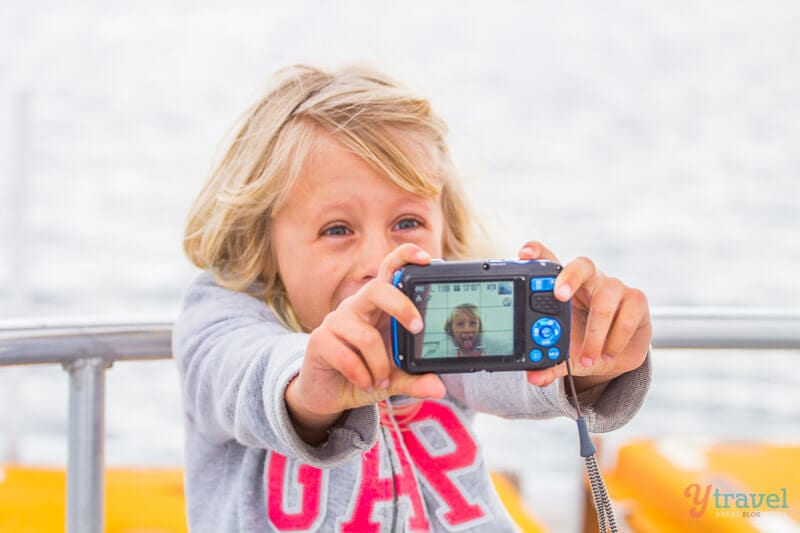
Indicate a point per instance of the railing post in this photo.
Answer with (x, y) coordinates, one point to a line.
(86, 452)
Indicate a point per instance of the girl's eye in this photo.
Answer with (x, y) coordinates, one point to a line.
(408, 223)
(338, 230)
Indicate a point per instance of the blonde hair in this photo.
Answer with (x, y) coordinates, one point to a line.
(228, 229)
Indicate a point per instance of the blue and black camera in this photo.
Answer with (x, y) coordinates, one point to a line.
(490, 315)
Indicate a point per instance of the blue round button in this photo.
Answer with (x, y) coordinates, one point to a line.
(535, 355)
(546, 331)
(553, 353)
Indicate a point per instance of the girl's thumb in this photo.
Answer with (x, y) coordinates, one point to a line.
(417, 386)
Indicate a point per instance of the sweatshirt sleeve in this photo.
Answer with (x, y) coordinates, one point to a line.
(235, 361)
(508, 394)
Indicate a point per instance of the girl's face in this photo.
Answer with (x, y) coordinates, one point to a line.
(466, 329)
(339, 222)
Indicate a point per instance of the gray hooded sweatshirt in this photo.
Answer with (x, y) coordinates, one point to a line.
(403, 465)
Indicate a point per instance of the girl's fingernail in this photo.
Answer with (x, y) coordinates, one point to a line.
(369, 390)
(606, 357)
(526, 251)
(585, 361)
(423, 256)
(384, 384)
(415, 326)
(563, 291)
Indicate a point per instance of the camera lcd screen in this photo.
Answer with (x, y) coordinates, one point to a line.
(465, 319)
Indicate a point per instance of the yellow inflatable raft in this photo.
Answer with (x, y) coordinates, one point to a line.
(684, 486)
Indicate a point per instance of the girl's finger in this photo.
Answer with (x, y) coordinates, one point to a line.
(602, 313)
(536, 250)
(543, 378)
(633, 313)
(343, 358)
(580, 273)
(378, 295)
(402, 255)
(416, 386)
(366, 341)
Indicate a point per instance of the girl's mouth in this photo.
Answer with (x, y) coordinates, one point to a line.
(466, 341)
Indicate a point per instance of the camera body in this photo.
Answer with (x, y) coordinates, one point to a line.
(487, 315)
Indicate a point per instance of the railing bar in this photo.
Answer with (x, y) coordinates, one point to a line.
(674, 328)
(86, 446)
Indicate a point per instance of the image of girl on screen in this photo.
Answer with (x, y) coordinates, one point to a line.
(464, 326)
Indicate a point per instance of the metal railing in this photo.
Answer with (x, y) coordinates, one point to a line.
(86, 349)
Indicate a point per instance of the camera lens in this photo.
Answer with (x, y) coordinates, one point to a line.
(486, 266)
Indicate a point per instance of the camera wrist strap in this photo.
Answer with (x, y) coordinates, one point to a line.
(602, 504)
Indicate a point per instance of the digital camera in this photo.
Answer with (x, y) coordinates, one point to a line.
(486, 315)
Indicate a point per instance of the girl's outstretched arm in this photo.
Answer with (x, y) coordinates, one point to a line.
(235, 361)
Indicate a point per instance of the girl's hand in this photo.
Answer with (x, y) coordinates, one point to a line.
(347, 364)
(611, 329)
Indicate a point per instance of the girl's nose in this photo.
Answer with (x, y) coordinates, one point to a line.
(374, 248)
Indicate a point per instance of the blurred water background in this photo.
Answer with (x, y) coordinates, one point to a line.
(662, 139)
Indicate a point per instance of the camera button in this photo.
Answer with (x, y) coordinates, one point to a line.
(543, 284)
(535, 355)
(545, 302)
(553, 353)
(546, 331)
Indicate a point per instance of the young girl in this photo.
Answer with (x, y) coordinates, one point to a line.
(464, 326)
(296, 418)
